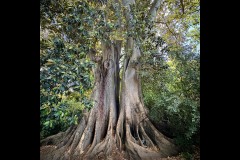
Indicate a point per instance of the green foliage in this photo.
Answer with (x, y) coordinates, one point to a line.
(171, 74)
(58, 117)
(180, 23)
(65, 69)
(172, 96)
(187, 156)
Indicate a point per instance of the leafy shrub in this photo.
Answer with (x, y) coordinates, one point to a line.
(60, 116)
(187, 156)
(172, 97)
(65, 79)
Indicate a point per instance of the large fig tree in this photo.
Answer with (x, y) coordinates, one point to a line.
(115, 35)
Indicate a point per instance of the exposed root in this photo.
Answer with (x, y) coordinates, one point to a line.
(138, 141)
(52, 140)
(148, 143)
(102, 134)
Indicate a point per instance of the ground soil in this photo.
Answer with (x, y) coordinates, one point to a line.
(120, 155)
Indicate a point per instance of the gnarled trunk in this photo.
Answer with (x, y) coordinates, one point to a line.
(141, 139)
(110, 125)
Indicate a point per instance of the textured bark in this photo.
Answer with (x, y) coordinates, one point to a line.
(134, 130)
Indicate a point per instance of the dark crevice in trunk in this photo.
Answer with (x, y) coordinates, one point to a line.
(93, 134)
(117, 97)
(101, 96)
(117, 106)
(132, 131)
(140, 135)
(117, 52)
(106, 128)
(135, 134)
(163, 128)
(124, 133)
(151, 135)
(127, 62)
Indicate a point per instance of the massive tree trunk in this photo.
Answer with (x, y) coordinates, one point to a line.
(111, 126)
(117, 125)
(134, 130)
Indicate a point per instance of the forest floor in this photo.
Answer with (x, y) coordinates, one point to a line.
(195, 156)
(117, 155)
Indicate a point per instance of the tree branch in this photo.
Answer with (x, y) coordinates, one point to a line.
(182, 5)
(175, 36)
(153, 9)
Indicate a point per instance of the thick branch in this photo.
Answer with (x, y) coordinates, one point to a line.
(182, 5)
(175, 36)
(153, 9)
